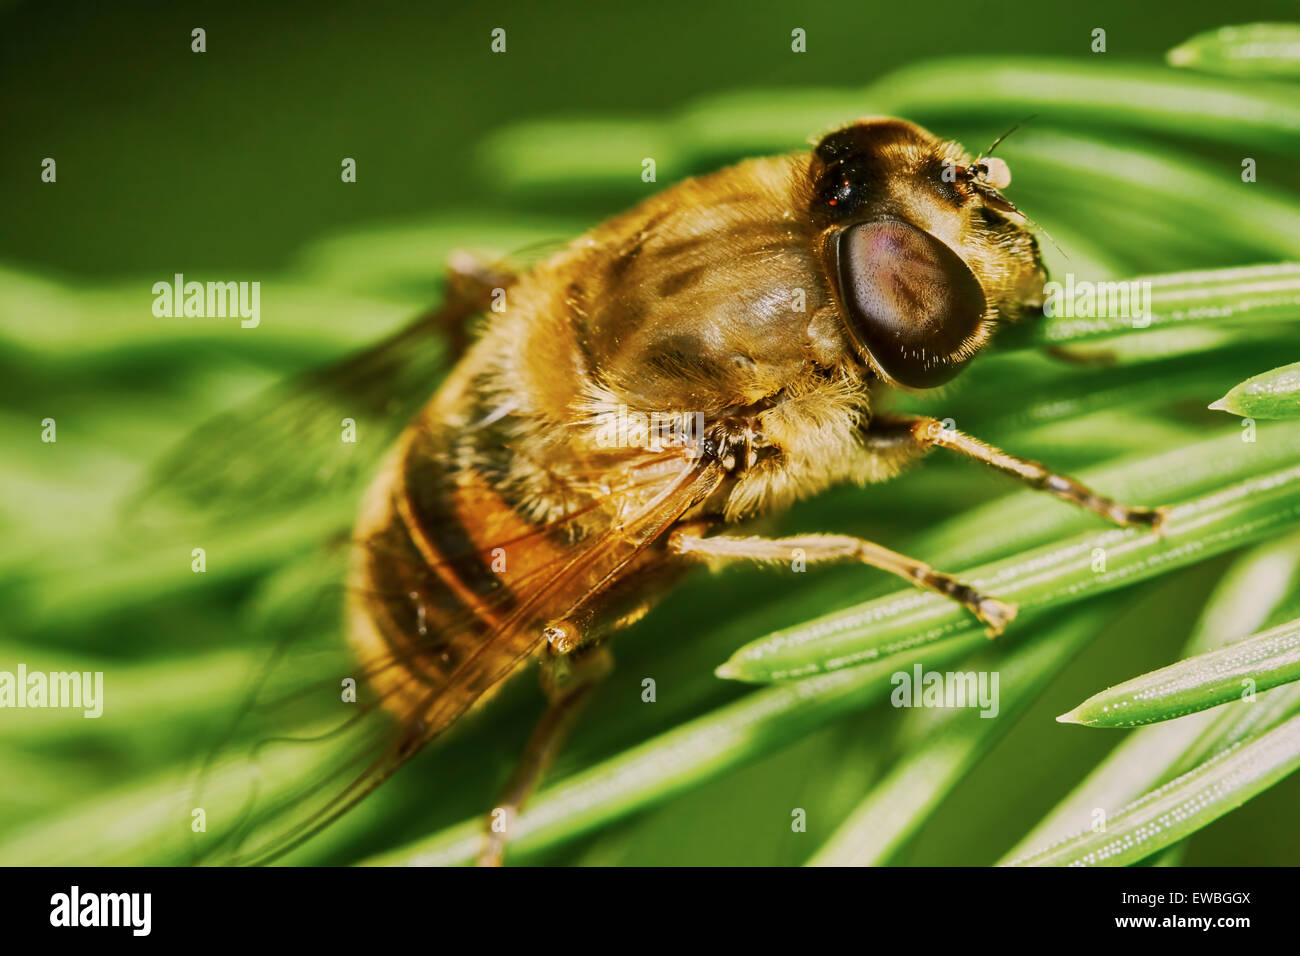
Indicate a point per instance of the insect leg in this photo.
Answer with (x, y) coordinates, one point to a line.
(470, 287)
(929, 432)
(838, 547)
(569, 681)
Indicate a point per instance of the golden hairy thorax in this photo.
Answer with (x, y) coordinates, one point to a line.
(707, 298)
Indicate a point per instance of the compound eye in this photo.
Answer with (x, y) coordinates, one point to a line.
(911, 303)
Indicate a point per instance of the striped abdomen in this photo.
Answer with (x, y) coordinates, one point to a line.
(438, 600)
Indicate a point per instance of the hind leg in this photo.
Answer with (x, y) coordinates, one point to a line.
(569, 680)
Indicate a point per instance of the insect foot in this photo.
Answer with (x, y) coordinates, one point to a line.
(734, 443)
(995, 614)
(1153, 518)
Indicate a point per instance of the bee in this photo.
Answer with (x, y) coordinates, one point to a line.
(751, 323)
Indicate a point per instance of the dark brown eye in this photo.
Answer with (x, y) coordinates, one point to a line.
(911, 302)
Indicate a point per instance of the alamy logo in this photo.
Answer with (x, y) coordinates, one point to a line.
(923, 688)
(103, 909)
(1099, 300)
(178, 298)
(84, 689)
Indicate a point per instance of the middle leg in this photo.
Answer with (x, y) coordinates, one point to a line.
(838, 547)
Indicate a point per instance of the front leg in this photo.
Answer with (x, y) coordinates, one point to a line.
(837, 547)
(912, 436)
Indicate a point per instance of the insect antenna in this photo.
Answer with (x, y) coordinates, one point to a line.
(997, 142)
(989, 152)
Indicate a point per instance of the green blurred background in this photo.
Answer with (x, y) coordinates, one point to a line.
(226, 164)
(228, 161)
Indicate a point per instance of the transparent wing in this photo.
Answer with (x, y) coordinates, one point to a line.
(321, 432)
(288, 443)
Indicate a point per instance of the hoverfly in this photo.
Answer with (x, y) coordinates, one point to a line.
(504, 524)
